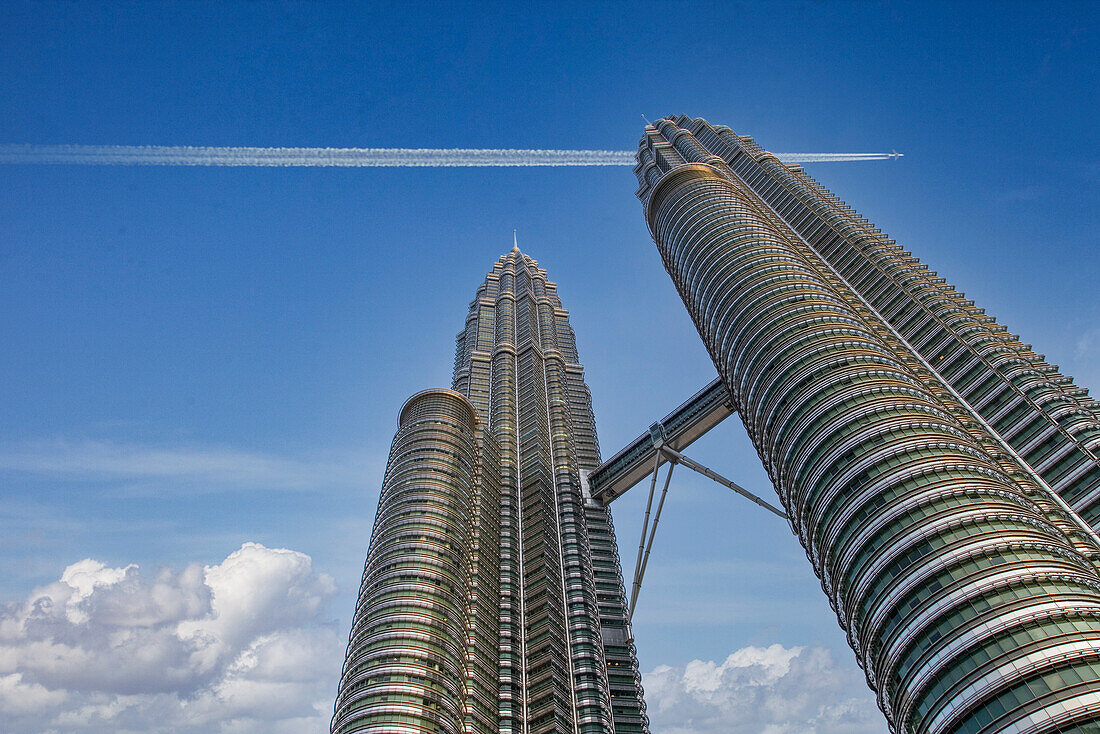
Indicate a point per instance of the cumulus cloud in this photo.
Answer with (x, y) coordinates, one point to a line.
(240, 647)
(762, 690)
(236, 647)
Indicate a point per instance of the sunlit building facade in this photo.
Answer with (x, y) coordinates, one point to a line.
(935, 470)
(492, 598)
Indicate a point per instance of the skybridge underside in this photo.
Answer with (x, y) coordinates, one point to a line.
(693, 418)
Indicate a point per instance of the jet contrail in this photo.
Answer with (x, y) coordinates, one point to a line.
(834, 157)
(179, 155)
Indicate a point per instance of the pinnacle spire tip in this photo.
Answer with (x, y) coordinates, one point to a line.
(515, 242)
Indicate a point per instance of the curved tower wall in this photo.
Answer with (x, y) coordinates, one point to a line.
(969, 596)
(1053, 425)
(492, 598)
(422, 652)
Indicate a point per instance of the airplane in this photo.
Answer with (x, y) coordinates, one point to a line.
(894, 154)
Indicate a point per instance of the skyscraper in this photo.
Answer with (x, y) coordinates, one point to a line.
(927, 460)
(492, 598)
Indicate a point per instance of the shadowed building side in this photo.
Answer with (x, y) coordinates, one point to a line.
(967, 589)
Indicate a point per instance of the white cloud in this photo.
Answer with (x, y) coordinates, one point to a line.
(1087, 344)
(20, 698)
(209, 466)
(234, 647)
(239, 647)
(1082, 366)
(256, 591)
(761, 690)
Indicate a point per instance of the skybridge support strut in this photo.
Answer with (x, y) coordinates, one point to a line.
(645, 526)
(674, 457)
(663, 443)
(639, 566)
(695, 466)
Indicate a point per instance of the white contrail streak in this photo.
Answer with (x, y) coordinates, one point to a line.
(834, 157)
(178, 155)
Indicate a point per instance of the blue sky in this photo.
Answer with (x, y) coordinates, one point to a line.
(196, 359)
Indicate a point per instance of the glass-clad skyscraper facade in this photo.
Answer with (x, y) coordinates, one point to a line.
(423, 653)
(926, 458)
(492, 598)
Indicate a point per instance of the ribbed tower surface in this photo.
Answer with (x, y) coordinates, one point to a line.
(561, 582)
(921, 453)
(492, 598)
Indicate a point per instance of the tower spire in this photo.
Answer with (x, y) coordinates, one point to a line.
(533, 576)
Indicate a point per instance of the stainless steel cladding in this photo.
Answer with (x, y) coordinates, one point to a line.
(415, 660)
(492, 599)
(567, 655)
(968, 588)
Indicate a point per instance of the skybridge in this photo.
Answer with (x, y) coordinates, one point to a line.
(664, 444)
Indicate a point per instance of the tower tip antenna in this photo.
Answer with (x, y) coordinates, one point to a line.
(515, 242)
(646, 120)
